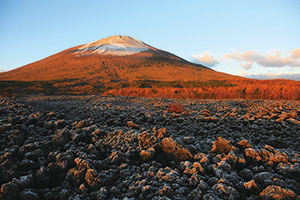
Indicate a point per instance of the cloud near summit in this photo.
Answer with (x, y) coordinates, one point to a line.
(205, 59)
(246, 59)
(292, 76)
(272, 59)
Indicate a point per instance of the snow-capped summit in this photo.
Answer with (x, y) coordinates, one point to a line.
(115, 45)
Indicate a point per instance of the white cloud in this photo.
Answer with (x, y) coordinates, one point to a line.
(272, 59)
(243, 73)
(293, 76)
(296, 53)
(3, 70)
(205, 59)
(246, 65)
(287, 60)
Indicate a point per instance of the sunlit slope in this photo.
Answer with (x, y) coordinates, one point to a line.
(117, 58)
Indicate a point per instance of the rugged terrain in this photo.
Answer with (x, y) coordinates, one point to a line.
(93, 147)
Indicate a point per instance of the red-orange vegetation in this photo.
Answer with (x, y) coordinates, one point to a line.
(205, 112)
(270, 148)
(91, 177)
(221, 186)
(159, 133)
(279, 120)
(145, 155)
(221, 145)
(201, 157)
(170, 146)
(246, 116)
(276, 157)
(210, 119)
(225, 89)
(132, 125)
(177, 108)
(77, 173)
(197, 166)
(276, 192)
(294, 121)
(252, 154)
(146, 140)
(244, 143)
(250, 184)
(190, 168)
(143, 75)
(232, 158)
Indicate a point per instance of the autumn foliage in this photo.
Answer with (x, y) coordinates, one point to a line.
(170, 146)
(221, 145)
(225, 89)
(146, 74)
(211, 89)
(276, 192)
(177, 108)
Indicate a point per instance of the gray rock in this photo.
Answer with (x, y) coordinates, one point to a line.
(232, 178)
(196, 194)
(61, 137)
(246, 174)
(202, 185)
(183, 191)
(25, 181)
(262, 177)
(10, 188)
(29, 194)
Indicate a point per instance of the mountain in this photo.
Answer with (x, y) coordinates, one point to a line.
(113, 59)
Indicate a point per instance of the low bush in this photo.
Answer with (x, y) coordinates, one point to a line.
(177, 108)
(221, 146)
(168, 145)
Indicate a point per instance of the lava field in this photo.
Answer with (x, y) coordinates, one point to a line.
(94, 147)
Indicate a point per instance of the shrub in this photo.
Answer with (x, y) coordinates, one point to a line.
(244, 143)
(146, 140)
(252, 154)
(132, 125)
(177, 108)
(276, 157)
(159, 133)
(170, 146)
(147, 154)
(250, 184)
(221, 146)
(276, 192)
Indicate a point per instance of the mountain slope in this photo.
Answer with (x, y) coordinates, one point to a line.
(113, 59)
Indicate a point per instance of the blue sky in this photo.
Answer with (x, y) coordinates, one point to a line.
(257, 38)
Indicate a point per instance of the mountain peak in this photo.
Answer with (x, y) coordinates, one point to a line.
(119, 45)
(111, 60)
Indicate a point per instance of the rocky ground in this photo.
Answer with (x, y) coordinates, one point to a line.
(92, 147)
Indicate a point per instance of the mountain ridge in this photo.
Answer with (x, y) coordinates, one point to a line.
(113, 58)
(113, 62)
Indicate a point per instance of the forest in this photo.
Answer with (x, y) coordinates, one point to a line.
(218, 89)
(212, 89)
